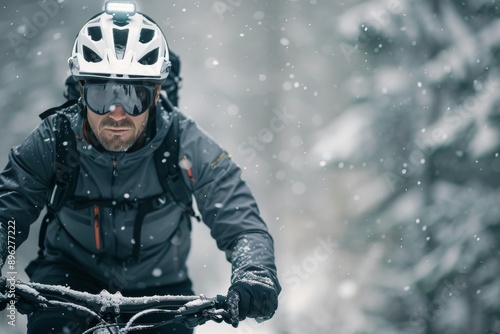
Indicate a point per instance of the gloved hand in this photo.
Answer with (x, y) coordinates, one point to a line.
(255, 299)
(3, 255)
(4, 300)
(3, 303)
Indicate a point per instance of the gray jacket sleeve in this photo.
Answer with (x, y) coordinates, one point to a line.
(25, 181)
(228, 207)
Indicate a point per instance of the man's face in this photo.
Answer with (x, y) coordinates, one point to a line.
(117, 131)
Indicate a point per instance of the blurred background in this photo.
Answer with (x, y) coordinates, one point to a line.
(367, 130)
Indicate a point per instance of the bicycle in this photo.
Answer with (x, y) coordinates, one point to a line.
(106, 308)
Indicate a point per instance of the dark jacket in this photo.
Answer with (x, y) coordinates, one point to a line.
(102, 249)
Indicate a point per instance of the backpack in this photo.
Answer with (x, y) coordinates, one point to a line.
(64, 180)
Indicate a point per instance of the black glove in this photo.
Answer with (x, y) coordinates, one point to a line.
(256, 299)
(4, 300)
(3, 255)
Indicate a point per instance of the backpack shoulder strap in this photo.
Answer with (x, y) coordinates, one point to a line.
(167, 162)
(67, 163)
(166, 159)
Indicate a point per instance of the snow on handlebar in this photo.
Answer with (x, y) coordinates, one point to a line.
(191, 310)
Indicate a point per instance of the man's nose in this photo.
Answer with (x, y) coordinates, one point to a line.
(117, 113)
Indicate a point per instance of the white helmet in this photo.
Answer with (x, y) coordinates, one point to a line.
(120, 48)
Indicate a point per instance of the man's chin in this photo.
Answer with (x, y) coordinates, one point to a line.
(116, 144)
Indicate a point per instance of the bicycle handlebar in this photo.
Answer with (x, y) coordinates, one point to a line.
(191, 310)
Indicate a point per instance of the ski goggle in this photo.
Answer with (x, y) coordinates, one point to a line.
(101, 97)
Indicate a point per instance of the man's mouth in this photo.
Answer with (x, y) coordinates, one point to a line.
(117, 131)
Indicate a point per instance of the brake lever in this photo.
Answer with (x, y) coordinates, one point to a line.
(198, 312)
(190, 314)
(195, 306)
(28, 300)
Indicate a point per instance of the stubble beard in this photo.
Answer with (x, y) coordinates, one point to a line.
(119, 143)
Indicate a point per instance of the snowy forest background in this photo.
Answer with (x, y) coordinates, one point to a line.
(381, 184)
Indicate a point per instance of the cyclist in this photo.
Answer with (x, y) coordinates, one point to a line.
(117, 124)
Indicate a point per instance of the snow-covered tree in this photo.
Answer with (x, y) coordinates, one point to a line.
(419, 145)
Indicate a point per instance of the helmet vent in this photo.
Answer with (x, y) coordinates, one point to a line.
(150, 58)
(90, 55)
(146, 35)
(95, 33)
(120, 37)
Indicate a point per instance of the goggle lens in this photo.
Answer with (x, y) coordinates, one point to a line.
(134, 98)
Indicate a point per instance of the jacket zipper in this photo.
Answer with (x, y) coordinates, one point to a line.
(114, 174)
(97, 231)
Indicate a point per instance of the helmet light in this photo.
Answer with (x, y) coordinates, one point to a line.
(120, 10)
